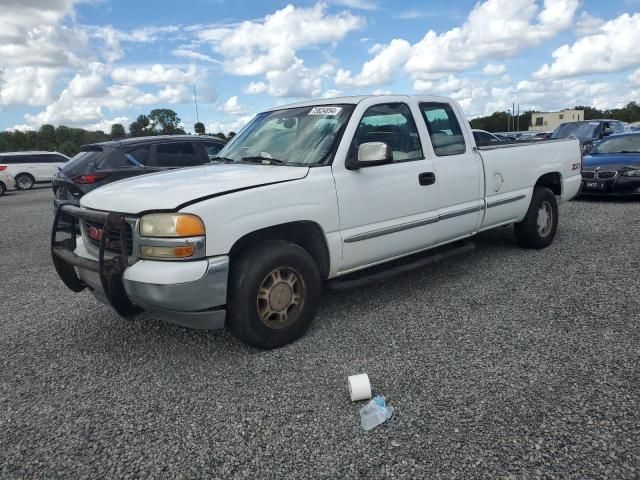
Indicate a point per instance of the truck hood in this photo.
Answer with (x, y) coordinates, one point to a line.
(170, 190)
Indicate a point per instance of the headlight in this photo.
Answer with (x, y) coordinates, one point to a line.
(171, 225)
(632, 173)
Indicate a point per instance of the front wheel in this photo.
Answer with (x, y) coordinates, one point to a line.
(2, 189)
(24, 181)
(539, 226)
(274, 292)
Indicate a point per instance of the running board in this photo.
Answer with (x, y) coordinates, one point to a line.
(383, 272)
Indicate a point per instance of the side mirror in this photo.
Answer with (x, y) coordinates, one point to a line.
(370, 154)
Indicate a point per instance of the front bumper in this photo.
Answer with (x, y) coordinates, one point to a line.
(617, 186)
(188, 293)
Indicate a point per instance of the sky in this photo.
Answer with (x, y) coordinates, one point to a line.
(91, 63)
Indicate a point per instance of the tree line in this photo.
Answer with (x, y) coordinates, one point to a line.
(499, 121)
(68, 140)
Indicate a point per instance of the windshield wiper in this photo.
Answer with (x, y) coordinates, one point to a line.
(263, 160)
(222, 160)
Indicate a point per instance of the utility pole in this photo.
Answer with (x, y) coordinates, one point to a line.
(195, 100)
(518, 117)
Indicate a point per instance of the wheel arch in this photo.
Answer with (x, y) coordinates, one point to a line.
(304, 233)
(551, 180)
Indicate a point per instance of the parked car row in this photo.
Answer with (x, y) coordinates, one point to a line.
(29, 168)
(103, 163)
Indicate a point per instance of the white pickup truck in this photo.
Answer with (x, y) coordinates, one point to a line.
(303, 194)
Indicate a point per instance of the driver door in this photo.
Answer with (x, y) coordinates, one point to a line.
(388, 210)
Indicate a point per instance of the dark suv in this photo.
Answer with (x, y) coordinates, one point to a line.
(589, 132)
(101, 163)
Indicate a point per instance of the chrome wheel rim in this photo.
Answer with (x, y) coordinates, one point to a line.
(280, 297)
(545, 219)
(24, 183)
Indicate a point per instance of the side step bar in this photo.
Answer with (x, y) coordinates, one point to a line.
(380, 273)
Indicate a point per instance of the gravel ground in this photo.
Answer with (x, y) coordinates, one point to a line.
(504, 363)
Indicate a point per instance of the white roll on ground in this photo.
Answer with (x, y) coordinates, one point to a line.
(359, 387)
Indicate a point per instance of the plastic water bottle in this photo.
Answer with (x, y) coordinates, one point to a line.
(375, 413)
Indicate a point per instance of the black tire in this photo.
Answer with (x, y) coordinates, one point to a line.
(2, 189)
(252, 270)
(24, 181)
(531, 234)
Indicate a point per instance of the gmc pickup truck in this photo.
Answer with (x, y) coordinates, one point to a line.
(305, 193)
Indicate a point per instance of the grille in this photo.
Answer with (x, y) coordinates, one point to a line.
(606, 174)
(113, 240)
(588, 175)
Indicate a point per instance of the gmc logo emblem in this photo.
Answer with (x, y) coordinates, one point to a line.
(95, 233)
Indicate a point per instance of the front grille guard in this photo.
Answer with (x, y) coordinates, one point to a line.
(110, 270)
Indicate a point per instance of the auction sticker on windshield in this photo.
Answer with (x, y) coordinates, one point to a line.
(331, 111)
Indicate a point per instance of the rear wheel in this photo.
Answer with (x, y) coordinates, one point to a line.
(24, 181)
(274, 292)
(539, 226)
(3, 188)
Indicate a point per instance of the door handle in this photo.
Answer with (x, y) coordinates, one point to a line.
(427, 178)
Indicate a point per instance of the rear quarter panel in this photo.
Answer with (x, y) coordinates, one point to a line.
(512, 171)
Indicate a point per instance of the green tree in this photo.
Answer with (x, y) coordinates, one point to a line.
(199, 128)
(117, 131)
(165, 121)
(46, 139)
(220, 135)
(231, 135)
(69, 148)
(590, 113)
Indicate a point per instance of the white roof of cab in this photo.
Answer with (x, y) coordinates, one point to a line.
(349, 100)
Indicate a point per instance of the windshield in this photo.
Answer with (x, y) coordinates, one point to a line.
(623, 144)
(580, 130)
(294, 136)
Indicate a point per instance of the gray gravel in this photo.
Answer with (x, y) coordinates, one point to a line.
(504, 363)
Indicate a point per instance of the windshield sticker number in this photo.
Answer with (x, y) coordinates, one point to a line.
(330, 111)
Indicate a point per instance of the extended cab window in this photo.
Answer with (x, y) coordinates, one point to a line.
(444, 129)
(178, 154)
(390, 123)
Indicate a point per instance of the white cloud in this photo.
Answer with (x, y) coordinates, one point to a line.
(297, 80)
(357, 4)
(232, 126)
(187, 53)
(493, 29)
(257, 47)
(27, 85)
(105, 125)
(175, 94)
(381, 68)
(255, 88)
(587, 24)
(635, 77)
(614, 48)
(155, 74)
(494, 69)
(232, 107)
(88, 84)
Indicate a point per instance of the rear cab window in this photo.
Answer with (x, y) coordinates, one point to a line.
(212, 149)
(444, 129)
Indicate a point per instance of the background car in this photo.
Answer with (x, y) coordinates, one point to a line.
(101, 163)
(485, 139)
(29, 168)
(613, 166)
(7, 182)
(589, 132)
